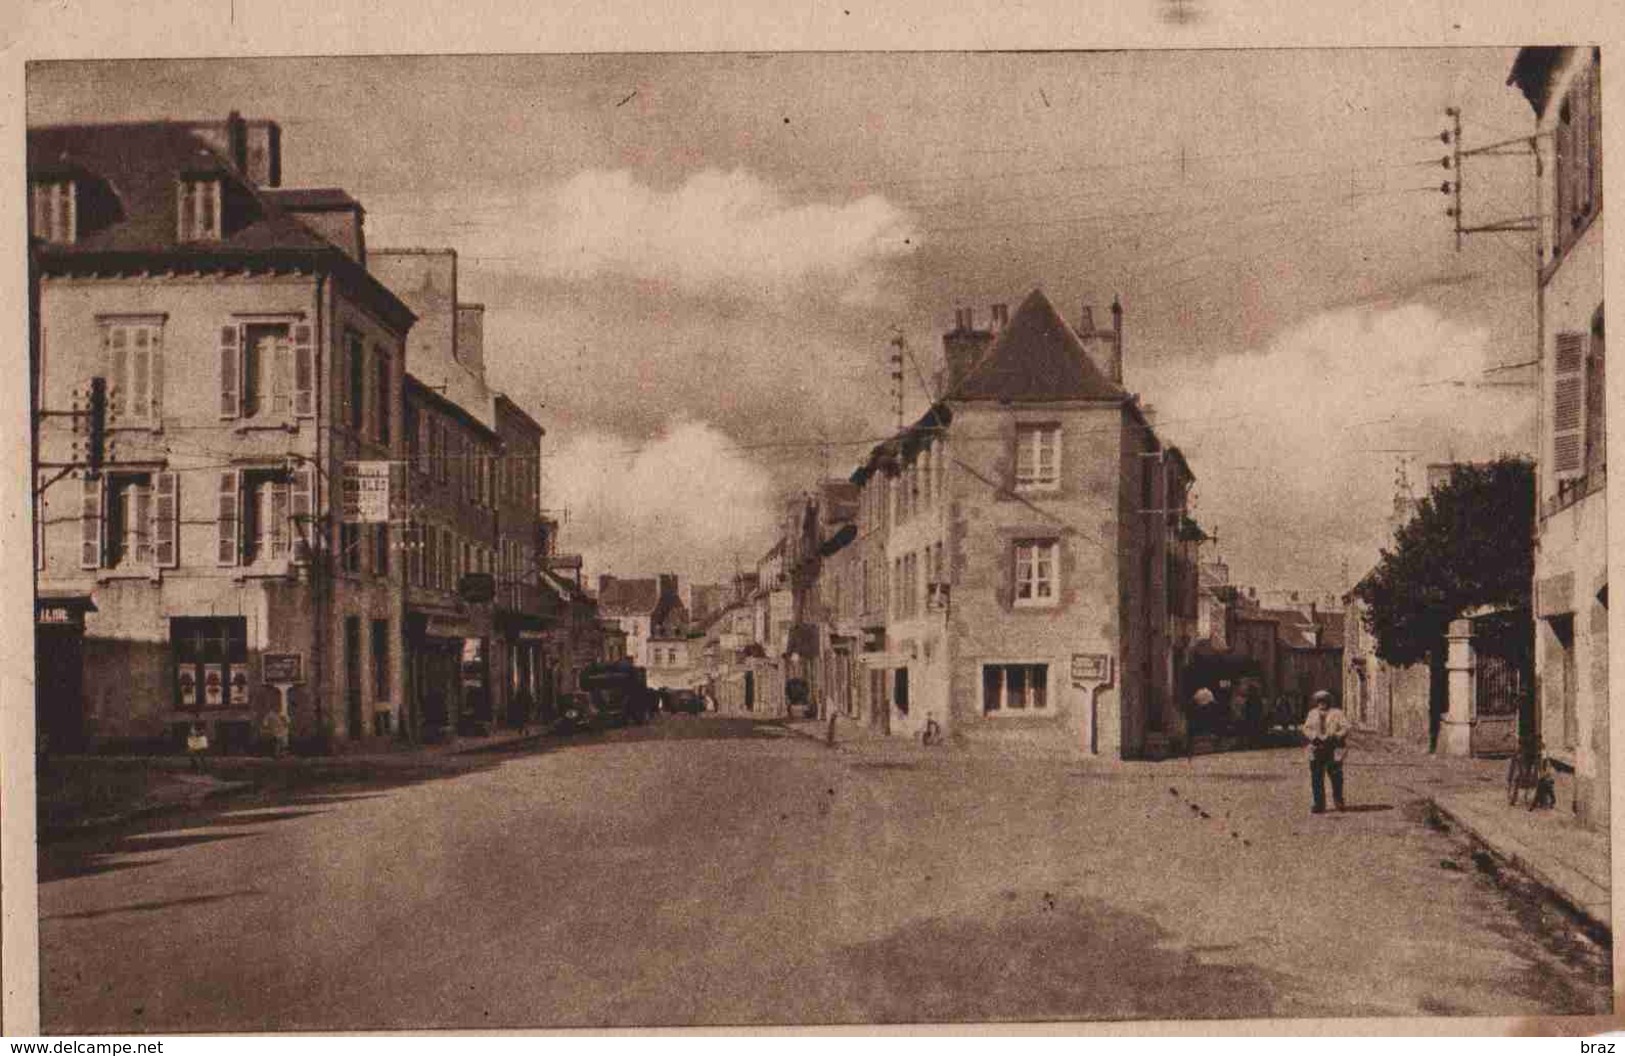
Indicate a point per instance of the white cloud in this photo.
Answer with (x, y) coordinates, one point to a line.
(688, 501)
(717, 234)
(1295, 447)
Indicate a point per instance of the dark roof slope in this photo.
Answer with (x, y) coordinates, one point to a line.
(1532, 74)
(141, 163)
(312, 198)
(1037, 357)
(629, 597)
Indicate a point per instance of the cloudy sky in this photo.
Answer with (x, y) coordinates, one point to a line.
(692, 265)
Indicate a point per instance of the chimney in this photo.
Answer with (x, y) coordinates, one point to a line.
(1001, 317)
(1086, 324)
(668, 584)
(1116, 368)
(470, 344)
(962, 349)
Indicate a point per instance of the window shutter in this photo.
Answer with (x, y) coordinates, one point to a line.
(118, 368)
(279, 519)
(281, 376)
(1568, 407)
(90, 523)
(304, 371)
(226, 523)
(230, 383)
(140, 523)
(166, 519)
(140, 372)
(155, 387)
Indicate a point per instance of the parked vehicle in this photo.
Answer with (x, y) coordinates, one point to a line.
(575, 712)
(619, 694)
(686, 702)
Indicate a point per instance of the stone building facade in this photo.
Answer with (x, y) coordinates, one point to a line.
(248, 356)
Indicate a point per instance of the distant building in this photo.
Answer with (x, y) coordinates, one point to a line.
(1025, 572)
(248, 356)
(1564, 87)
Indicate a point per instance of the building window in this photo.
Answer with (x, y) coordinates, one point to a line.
(56, 211)
(129, 520)
(1038, 457)
(199, 208)
(380, 549)
(381, 394)
(1010, 689)
(267, 370)
(1036, 572)
(414, 439)
(1596, 432)
(265, 506)
(1577, 141)
(350, 548)
(211, 661)
(380, 661)
(132, 350)
(355, 396)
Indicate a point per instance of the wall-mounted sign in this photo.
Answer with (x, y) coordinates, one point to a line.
(1091, 669)
(366, 492)
(62, 613)
(477, 587)
(282, 668)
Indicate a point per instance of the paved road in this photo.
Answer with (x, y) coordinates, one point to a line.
(709, 871)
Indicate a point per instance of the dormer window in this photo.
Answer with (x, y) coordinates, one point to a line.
(56, 212)
(199, 209)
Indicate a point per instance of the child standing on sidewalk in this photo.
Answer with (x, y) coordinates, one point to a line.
(197, 743)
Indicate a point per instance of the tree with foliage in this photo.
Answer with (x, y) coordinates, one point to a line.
(1471, 543)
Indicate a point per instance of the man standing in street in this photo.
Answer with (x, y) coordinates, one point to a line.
(1327, 729)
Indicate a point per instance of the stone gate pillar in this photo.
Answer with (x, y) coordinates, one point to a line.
(1456, 731)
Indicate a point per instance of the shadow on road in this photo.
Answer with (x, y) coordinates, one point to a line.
(1039, 956)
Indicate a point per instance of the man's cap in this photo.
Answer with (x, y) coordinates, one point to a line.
(1320, 695)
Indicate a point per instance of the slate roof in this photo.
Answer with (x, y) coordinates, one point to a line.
(129, 213)
(141, 162)
(312, 198)
(629, 597)
(1038, 356)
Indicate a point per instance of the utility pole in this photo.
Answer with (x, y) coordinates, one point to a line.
(1516, 146)
(896, 361)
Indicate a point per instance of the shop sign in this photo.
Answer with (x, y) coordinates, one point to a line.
(366, 492)
(1091, 669)
(282, 668)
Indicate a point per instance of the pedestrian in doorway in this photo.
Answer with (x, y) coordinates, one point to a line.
(197, 744)
(1201, 705)
(1326, 728)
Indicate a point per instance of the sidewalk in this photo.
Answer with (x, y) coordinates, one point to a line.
(1549, 847)
(76, 793)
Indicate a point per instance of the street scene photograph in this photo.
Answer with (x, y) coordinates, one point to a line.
(814, 539)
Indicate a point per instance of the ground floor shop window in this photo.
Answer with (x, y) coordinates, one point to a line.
(211, 661)
(1015, 688)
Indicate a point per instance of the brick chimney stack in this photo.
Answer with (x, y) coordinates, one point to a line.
(963, 347)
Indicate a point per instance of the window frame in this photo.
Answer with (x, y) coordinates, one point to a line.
(120, 340)
(1042, 547)
(188, 196)
(1046, 438)
(54, 211)
(1001, 708)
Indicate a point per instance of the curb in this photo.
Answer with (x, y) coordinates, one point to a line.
(1514, 853)
(151, 810)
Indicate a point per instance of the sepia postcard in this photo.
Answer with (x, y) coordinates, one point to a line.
(536, 537)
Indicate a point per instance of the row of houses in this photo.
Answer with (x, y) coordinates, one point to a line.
(301, 495)
(1541, 676)
(1016, 565)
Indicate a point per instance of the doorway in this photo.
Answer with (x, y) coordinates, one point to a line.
(352, 675)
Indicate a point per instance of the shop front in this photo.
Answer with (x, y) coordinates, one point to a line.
(60, 721)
